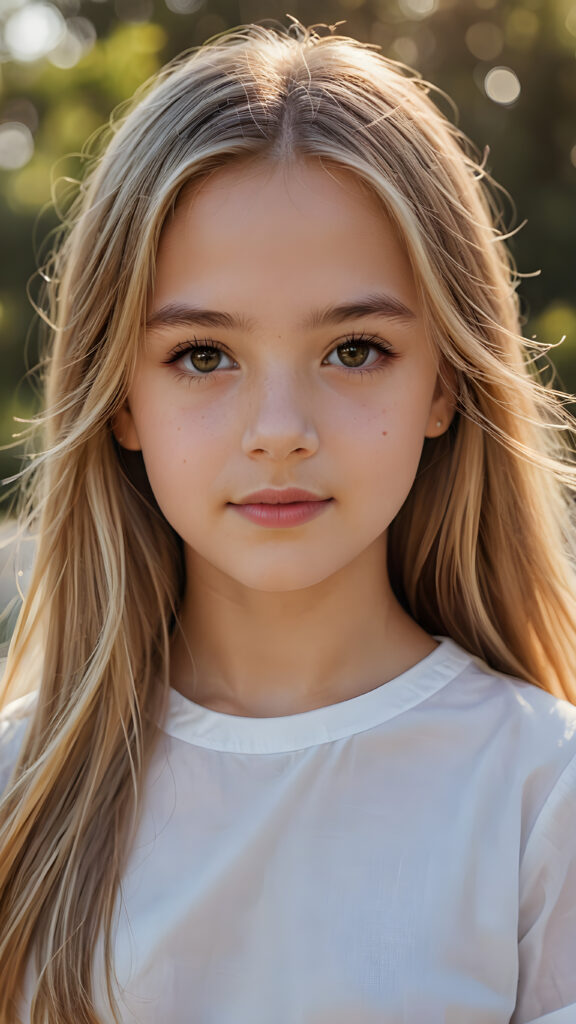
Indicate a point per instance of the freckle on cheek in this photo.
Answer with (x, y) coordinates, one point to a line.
(384, 433)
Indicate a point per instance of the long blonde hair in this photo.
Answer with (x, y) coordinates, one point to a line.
(482, 551)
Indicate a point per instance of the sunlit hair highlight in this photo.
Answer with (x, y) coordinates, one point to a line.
(482, 550)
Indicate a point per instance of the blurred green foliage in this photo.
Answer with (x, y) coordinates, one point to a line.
(531, 139)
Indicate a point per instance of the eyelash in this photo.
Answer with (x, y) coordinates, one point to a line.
(206, 343)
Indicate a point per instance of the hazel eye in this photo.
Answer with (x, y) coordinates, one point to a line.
(197, 359)
(203, 358)
(357, 348)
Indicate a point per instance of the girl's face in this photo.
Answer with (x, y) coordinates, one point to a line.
(313, 371)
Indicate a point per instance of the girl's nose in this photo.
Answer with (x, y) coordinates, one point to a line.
(280, 418)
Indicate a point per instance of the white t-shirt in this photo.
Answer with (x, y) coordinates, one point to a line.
(404, 857)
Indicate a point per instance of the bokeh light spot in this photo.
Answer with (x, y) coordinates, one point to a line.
(405, 49)
(573, 155)
(79, 39)
(485, 40)
(67, 53)
(16, 145)
(33, 31)
(502, 85)
(418, 8)
(184, 6)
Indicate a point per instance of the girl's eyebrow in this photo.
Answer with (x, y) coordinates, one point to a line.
(175, 314)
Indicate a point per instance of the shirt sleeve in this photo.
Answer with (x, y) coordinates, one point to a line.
(547, 918)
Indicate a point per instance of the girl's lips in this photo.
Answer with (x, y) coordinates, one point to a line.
(291, 514)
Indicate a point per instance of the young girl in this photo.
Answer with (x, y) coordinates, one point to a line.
(288, 733)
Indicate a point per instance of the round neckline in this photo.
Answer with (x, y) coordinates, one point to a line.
(195, 724)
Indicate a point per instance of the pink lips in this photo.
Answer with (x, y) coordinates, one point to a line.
(280, 508)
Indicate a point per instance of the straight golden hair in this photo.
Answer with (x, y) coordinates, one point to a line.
(482, 550)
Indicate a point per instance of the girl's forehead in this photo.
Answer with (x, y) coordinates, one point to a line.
(252, 195)
(276, 226)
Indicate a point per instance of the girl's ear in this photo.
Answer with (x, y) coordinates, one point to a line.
(442, 408)
(124, 429)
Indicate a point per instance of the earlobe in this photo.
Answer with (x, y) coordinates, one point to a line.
(441, 411)
(438, 424)
(124, 429)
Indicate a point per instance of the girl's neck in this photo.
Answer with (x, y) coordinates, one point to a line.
(266, 654)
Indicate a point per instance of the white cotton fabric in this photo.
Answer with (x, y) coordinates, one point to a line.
(404, 857)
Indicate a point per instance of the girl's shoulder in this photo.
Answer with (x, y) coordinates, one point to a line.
(533, 708)
(528, 710)
(510, 722)
(530, 732)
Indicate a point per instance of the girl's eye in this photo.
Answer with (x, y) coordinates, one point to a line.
(355, 349)
(199, 358)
